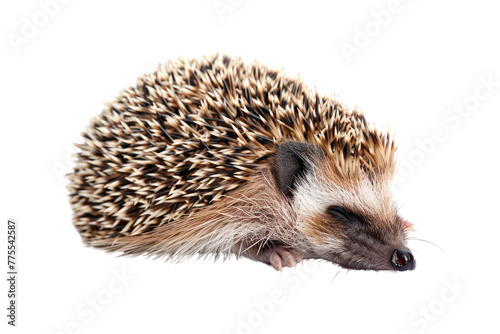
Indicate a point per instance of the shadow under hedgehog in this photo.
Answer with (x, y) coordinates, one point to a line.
(215, 157)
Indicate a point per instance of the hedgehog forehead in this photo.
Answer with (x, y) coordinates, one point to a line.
(364, 195)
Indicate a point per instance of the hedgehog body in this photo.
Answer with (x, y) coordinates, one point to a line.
(213, 156)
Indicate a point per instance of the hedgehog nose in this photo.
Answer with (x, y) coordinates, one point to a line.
(402, 260)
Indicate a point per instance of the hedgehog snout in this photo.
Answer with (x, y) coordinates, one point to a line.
(402, 260)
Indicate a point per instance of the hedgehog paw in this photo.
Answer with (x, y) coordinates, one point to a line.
(279, 257)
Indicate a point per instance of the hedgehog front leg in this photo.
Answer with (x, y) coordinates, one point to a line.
(279, 257)
(276, 256)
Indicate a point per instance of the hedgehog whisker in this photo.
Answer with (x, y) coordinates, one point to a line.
(427, 241)
(335, 275)
(400, 206)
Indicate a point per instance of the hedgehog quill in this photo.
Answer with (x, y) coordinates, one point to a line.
(214, 157)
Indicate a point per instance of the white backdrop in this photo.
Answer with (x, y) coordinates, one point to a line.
(429, 70)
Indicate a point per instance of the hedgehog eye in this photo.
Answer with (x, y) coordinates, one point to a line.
(342, 214)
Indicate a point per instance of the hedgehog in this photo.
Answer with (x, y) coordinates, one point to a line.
(213, 157)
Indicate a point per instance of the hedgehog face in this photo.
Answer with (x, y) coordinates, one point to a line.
(349, 221)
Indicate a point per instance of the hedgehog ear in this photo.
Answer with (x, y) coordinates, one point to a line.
(293, 160)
